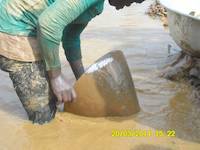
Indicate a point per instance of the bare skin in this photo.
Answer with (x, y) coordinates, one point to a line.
(77, 68)
(61, 87)
(59, 84)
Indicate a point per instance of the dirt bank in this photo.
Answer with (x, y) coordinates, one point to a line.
(156, 10)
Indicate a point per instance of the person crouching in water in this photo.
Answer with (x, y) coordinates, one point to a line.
(30, 33)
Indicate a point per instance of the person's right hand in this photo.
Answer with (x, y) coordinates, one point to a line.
(61, 87)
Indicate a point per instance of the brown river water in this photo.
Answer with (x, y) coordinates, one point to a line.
(164, 105)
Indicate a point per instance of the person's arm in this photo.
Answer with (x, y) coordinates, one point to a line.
(71, 37)
(72, 45)
(51, 24)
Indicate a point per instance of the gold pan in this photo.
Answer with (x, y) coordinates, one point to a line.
(105, 89)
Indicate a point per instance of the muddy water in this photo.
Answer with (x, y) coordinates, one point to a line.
(165, 105)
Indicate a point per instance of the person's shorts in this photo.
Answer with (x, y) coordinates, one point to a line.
(32, 86)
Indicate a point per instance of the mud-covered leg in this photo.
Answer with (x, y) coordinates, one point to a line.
(32, 87)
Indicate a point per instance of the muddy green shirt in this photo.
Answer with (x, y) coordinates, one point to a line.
(52, 21)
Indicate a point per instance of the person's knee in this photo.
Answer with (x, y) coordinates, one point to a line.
(33, 89)
(40, 113)
(40, 108)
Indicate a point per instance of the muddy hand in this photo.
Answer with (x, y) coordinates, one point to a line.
(61, 87)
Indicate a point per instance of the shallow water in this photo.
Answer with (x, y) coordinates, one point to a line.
(165, 105)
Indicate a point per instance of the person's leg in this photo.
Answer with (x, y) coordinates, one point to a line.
(32, 87)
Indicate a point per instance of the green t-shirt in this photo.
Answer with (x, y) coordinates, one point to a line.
(51, 21)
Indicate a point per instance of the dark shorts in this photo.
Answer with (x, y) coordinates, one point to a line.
(32, 87)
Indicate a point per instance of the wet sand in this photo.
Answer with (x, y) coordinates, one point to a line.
(164, 105)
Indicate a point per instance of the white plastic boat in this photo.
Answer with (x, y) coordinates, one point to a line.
(184, 24)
